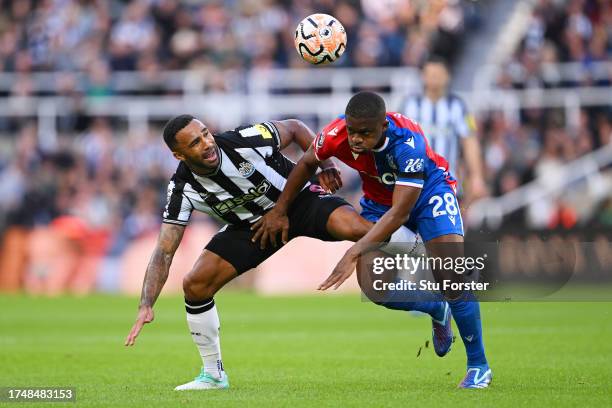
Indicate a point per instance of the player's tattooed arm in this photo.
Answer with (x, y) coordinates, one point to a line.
(158, 269)
(169, 239)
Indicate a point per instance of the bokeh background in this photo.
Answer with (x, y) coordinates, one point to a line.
(86, 86)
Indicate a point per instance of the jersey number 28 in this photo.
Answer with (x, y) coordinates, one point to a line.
(449, 200)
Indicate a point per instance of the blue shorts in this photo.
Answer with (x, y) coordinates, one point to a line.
(434, 214)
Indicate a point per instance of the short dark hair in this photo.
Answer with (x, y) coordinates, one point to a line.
(366, 105)
(436, 59)
(174, 126)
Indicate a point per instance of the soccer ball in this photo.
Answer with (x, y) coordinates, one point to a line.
(320, 39)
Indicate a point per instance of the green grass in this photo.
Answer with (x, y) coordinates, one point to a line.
(305, 351)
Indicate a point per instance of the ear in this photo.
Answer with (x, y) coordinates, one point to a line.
(178, 156)
(385, 125)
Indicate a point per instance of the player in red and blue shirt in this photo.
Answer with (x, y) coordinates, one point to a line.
(403, 158)
(404, 182)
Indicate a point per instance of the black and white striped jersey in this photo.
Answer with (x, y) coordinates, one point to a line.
(444, 122)
(251, 174)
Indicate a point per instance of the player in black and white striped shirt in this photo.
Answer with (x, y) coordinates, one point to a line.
(236, 177)
(449, 126)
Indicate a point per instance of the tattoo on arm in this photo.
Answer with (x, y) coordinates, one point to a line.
(169, 239)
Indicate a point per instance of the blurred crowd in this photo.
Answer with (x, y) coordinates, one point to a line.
(219, 36)
(537, 148)
(79, 204)
(573, 31)
(540, 141)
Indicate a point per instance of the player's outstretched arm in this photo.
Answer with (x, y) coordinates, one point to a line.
(169, 239)
(404, 198)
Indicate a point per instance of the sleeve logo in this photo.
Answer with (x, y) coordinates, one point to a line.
(320, 141)
(414, 166)
(471, 122)
(257, 130)
(265, 133)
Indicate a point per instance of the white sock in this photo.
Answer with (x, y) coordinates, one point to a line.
(203, 322)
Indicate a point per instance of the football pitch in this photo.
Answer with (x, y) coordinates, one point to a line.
(323, 350)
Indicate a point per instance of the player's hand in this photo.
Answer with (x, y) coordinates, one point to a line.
(330, 179)
(145, 315)
(268, 226)
(478, 188)
(341, 272)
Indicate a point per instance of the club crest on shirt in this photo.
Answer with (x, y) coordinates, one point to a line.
(246, 169)
(391, 162)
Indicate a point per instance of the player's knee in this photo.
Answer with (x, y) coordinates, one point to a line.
(198, 286)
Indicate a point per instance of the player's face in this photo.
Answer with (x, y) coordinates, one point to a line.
(365, 134)
(435, 76)
(196, 146)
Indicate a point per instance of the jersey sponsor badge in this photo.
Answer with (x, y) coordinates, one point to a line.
(253, 193)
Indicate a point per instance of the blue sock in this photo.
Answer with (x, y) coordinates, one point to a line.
(397, 301)
(467, 318)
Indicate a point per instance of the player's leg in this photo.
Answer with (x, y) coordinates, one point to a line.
(207, 276)
(345, 224)
(441, 227)
(227, 255)
(465, 310)
(396, 299)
